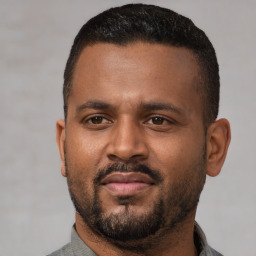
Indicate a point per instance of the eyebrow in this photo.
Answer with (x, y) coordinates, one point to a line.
(148, 106)
(93, 104)
(161, 106)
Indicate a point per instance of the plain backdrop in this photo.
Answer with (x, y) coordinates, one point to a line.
(36, 213)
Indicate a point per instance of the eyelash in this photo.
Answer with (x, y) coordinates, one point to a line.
(88, 120)
(163, 120)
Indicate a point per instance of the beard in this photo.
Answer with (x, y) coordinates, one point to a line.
(127, 228)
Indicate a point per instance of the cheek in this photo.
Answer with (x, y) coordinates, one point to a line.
(85, 155)
(175, 156)
(83, 149)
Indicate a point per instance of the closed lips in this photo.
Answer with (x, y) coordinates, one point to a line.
(127, 184)
(127, 178)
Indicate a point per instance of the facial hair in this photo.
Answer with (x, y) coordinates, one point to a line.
(169, 209)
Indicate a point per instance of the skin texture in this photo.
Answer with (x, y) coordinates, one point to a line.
(153, 116)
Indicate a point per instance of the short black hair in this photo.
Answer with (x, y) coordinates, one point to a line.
(153, 24)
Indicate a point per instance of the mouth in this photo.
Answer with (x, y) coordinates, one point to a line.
(127, 184)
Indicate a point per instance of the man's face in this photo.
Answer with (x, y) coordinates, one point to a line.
(134, 139)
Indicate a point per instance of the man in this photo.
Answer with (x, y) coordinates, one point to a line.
(141, 94)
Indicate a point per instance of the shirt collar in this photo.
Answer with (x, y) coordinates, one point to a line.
(201, 243)
(81, 249)
(78, 246)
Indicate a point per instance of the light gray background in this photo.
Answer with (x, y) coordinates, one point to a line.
(35, 38)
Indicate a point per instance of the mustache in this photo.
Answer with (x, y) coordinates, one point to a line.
(124, 168)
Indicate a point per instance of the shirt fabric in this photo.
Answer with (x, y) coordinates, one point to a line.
(78, 248)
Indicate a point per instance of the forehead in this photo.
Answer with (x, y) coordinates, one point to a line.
(138, 71)
(159, 57)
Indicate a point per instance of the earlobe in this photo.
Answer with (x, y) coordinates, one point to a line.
(60, 138)
(218, 139)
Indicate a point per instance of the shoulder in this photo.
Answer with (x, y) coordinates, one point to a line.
(208, 251)
(66, 250)
(215, 253)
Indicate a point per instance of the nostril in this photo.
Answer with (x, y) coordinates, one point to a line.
(127, 142)
(126, 157)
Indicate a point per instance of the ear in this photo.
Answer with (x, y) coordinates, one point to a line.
(218, 139)
(60, 138)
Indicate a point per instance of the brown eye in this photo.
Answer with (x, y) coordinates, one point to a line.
(157, 120)
(96, 120)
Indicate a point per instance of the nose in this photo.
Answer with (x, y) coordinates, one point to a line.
(127, 142)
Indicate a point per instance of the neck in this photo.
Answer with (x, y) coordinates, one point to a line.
(178, 242)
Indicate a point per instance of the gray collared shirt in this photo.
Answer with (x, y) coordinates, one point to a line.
(78, 248)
